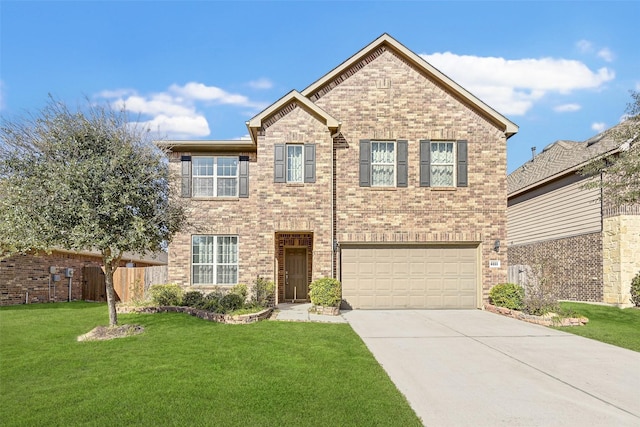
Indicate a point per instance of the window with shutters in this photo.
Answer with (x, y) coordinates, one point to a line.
(214, 260)
(442, 163)
(295, 163)
(214, 176)
(383, 163)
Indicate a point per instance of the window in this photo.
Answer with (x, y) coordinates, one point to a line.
(214, 260)
(442, 164)
(383, 163)
(215, 176)
(294, 163)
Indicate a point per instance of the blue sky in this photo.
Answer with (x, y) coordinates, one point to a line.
(201, 69)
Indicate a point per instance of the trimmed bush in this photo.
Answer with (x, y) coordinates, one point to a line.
(635, 290)
(231, 302)
(508, 295)
(192, 299)
(169, 294)
(211, 302)
(326, 292)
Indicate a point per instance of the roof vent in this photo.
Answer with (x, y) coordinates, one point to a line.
(533, 153)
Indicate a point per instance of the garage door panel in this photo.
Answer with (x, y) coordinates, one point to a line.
(409, 277)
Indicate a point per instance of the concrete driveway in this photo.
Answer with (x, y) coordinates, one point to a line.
(475, 368)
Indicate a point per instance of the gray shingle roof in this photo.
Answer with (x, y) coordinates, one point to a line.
(558, 157)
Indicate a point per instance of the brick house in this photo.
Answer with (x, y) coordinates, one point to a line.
(571, 235)
(384, 173)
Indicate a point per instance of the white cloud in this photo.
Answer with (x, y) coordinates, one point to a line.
(567, 108)
(261, 83)
(598, 126)
(175, 112)
(606, 54)
(513, 86)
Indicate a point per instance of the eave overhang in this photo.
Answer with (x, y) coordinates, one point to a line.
(233, 145)
(255, 124)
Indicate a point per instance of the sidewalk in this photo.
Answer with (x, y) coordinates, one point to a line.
(300, 313)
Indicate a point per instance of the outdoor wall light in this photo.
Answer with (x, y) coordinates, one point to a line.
(496, 246)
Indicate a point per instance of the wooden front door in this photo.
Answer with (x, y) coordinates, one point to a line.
(295, 274)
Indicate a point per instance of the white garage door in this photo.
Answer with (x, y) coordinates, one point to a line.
(391, 276)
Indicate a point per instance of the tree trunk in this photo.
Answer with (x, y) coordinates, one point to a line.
(111, 295)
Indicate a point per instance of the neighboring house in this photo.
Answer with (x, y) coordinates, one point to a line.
(41, 277)
(566, 234)
(384, 173)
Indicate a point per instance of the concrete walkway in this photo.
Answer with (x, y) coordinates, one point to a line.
(300, 313)
(475, 368)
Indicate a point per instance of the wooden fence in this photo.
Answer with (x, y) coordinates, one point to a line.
(130, 284)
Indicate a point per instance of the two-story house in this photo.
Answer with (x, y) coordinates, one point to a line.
(384, 173)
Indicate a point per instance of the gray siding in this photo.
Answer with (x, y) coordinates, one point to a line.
(557, 210)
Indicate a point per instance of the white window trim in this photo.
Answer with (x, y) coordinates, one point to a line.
(215, 177)
(286, 161)
(395, 162)
(453, 164)
(214, 264)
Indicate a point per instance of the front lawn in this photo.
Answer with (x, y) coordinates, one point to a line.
(620, 327)
(186, 371)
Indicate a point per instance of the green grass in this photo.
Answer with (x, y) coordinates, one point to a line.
(612, 325)
(186, 371)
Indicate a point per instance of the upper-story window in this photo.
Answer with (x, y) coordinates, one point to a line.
(294, 163)
(215, 176)
(383, 163)
(442, 164)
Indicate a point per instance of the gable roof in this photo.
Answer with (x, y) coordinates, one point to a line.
(560, 158)
(293, 97)
(386, 41)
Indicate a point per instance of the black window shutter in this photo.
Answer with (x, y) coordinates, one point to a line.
(279, 173)
(243, 177)
(365, 163)
(463, 180)
(402, 162)
(186, 176)
(425, 163)
(309, 162)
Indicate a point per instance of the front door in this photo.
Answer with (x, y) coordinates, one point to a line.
(295, 274)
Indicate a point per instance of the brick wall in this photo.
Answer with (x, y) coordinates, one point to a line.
(25, 278)
(574, 264)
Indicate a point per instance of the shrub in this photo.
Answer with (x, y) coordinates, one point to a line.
(211, 302)
(169, 294)
(263, 292)
(326, 292)
(509, 295)
(240, 289)
(192, 299)
(231, 302)
(635, 290)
